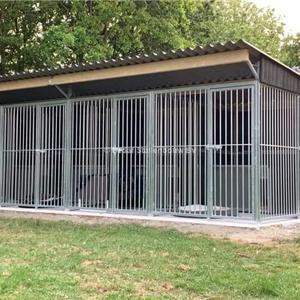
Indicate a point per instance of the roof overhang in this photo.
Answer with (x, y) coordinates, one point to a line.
(172, 65)
(162, 80)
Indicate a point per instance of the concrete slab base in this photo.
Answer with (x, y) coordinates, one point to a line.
(134, 218)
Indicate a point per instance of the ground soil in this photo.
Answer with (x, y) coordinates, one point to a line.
(264, 235)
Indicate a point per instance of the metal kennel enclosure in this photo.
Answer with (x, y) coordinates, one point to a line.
(228, 149)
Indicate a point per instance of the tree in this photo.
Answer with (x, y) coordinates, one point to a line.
(239, 19)
(107, 29)
(22, 24)
(291, 50)
(39, 34)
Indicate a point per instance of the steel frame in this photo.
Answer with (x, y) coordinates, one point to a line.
(166, 174)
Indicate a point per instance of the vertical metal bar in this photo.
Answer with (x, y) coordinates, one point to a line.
(42, 168)
(59, 145)
(84, 161)
(107, 154)
(131, 149)
(281, 152)
(231, 153)
(26, 152)
(9, 154)
(200, 177)
(87, 155)
(103, 145)
(66, 145)
(94, 154)
(91, 156)
(160, 176)
(284, 161)
(17, 155)
(297, 171)
(73, 152)
(226, 153)
(237, 149)
(120, 142)
(94, 151)
(101, 151)
(189, 153)
(32, 118)
(150, 152)
(163, 200)
(264, 162)
(174, 150)
(90, 152)
(145, 135)
(114, 183)
(5, 179)
(221, 124)
(256, 151)
(127, 144)
(209, 157)
(214, 152)
(136, 205)
(243, 150)
(271, 149)
(2, 132)
(143, 147)
(53, 151)
(37, 129)
(205, 173)
(292, 154)
(185, 142)
(155, 154)
(48, 151)
(170, 151)
(21, 156)
(80, 154)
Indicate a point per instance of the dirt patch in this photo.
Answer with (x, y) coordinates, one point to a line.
(265, 235)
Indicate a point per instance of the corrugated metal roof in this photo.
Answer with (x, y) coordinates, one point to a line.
(146, 82)
(142, 58)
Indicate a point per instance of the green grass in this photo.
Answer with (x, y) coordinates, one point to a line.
(58, 260)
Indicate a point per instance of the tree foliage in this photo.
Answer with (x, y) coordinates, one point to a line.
(238, 19)
(291, 50)
(38, 34)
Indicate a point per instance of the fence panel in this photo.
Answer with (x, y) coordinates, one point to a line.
(180, 156)
(131, 135)
(51, 151)
(231, 145)
(280, 142)
(90, 153)
(19, 137)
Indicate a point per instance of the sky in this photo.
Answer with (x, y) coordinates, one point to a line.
(289, 10)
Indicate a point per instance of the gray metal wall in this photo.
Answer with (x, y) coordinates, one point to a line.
(273, 74)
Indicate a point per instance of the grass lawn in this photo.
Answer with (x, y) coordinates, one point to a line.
(57, 260)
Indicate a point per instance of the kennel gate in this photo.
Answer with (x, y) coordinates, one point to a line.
(33, 155)
(203, 142)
